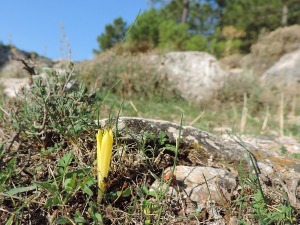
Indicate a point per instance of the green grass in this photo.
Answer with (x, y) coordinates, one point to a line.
(47, 154)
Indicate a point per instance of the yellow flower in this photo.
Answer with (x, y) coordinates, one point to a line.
(104, 153)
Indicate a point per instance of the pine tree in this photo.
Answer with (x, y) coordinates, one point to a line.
(114, 33)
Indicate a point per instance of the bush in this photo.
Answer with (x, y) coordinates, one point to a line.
(53, 106)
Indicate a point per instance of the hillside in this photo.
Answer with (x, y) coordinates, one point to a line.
(231, 157)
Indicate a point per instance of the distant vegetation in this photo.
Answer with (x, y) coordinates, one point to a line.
(220, 27)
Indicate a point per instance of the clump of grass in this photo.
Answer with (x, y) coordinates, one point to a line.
(138, 78)
(52, 107)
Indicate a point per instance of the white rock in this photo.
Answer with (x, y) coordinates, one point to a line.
(199, 184)
(196, 75)
(11, 86)
(285, 71)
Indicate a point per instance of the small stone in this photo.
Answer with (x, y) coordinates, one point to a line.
(201, 184)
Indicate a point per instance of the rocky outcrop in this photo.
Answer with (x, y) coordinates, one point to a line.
(217, 157)
(201, 185)
(268, 49)
(196, 75)
(12, 86)
(10, 66)
(277, 43)
(284, 72)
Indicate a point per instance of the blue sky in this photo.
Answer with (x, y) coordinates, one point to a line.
(35, 25)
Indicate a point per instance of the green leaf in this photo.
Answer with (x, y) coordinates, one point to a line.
(52, 201)
(1, 149)
(140, 192)
(79, 218)
(87, 190)
(69, 183)
(10, 169)
(162, 138)
(66, 160)
(17, 190)
(296, 155)
(11, 166)
(10, 220)
(149, 136)
(61, 171)
(85, 186)
(170, 148)
(62, 220)
(126, 192)
(80, 173)
(145, 190)
(98, 216)
(51, 187)
(153, 193)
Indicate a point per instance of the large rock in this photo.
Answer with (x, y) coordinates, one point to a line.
(286, 71)
(196, 75)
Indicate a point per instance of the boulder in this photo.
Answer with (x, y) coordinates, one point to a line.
(286, 71)
(196, 75)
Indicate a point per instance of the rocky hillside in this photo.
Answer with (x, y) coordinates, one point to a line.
(245, 171)
(11, 67)
(268, 50)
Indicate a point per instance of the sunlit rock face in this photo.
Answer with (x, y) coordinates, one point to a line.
(285, 72)
(196, 75)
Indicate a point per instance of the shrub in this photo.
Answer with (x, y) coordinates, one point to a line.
(54, 105)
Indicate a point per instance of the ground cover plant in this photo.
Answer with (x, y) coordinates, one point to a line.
(48, 159)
